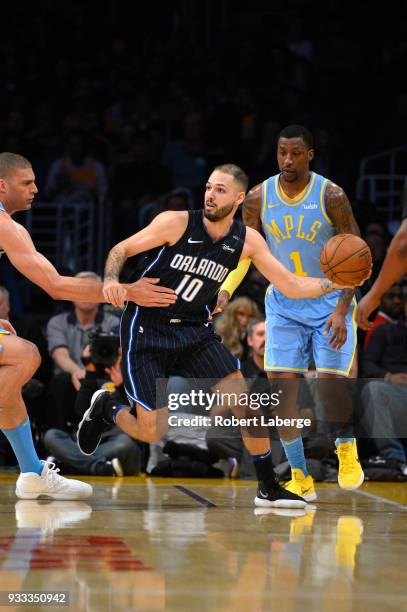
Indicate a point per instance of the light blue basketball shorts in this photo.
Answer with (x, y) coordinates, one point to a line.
(294, 334)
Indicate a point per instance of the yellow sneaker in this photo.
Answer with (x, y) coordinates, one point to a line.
(348, 537)
(301, 485)
(350, 474)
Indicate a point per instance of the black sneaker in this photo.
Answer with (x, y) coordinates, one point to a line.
(94, 423)
(277, 497)
(108, 468)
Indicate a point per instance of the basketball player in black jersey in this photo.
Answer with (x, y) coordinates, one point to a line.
(192, 253)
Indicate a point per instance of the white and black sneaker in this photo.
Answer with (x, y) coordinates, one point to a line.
(94, 422)
(50, 484)
(277, 497)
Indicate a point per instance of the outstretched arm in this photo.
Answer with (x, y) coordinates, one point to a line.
(252, 207)
(339, 210)
(165, 228)
(17, 243)
(394, 266)
(285, 281)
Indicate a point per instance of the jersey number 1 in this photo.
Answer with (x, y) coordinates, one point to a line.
(296, 259)
(189, 289)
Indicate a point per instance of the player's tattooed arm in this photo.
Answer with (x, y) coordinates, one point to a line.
(326, 285)
(339, 210)
(114, 263)
(113, 291)
(252, 206)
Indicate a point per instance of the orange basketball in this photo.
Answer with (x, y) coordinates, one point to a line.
(345, 259)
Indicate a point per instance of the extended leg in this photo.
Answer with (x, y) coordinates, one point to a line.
(19, 360)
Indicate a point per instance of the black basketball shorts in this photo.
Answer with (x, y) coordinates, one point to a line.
(156, 346)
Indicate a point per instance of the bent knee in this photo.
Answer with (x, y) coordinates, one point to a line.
(32, 355)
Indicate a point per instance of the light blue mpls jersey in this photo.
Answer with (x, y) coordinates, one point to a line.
(296, 230)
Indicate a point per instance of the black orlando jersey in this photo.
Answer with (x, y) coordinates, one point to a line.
(195, 267)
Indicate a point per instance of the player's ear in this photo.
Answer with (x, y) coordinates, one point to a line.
(2, 185)
(311, 154)
(240, 197)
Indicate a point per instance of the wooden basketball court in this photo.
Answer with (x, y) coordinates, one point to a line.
(164, 544)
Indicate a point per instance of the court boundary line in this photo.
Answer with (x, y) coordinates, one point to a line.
(201, 500)
(382, 499)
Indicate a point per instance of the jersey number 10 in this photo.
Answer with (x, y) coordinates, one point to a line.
(188, 287)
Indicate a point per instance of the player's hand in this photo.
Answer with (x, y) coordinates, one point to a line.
(5, 324)
(362, 282)
(146, 292)
(336, 324)
(223, 301)
(114, 293)
(364, 309)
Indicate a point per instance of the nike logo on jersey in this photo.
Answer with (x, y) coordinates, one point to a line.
(272, 205)
(206, 324)
(194, 241)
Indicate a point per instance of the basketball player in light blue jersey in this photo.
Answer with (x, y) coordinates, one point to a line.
(299, 211)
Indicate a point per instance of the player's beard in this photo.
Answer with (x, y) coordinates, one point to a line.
(219, 213)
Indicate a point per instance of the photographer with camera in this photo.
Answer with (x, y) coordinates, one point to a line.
(118, 454)
(67, 335)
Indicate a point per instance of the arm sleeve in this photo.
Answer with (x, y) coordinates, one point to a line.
(372, 357)
(235, 277)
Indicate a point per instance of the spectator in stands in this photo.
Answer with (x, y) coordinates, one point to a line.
(253, 364)
(390, 311)
(138, 178)
(118, 454)
(67, 335)
(186, 158)
(76, 177)
(385, 400)
(177, 199)
(232, 324)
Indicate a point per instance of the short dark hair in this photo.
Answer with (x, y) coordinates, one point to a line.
(237, 173)
(10, 162)
(252, 324)
(298, 131)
